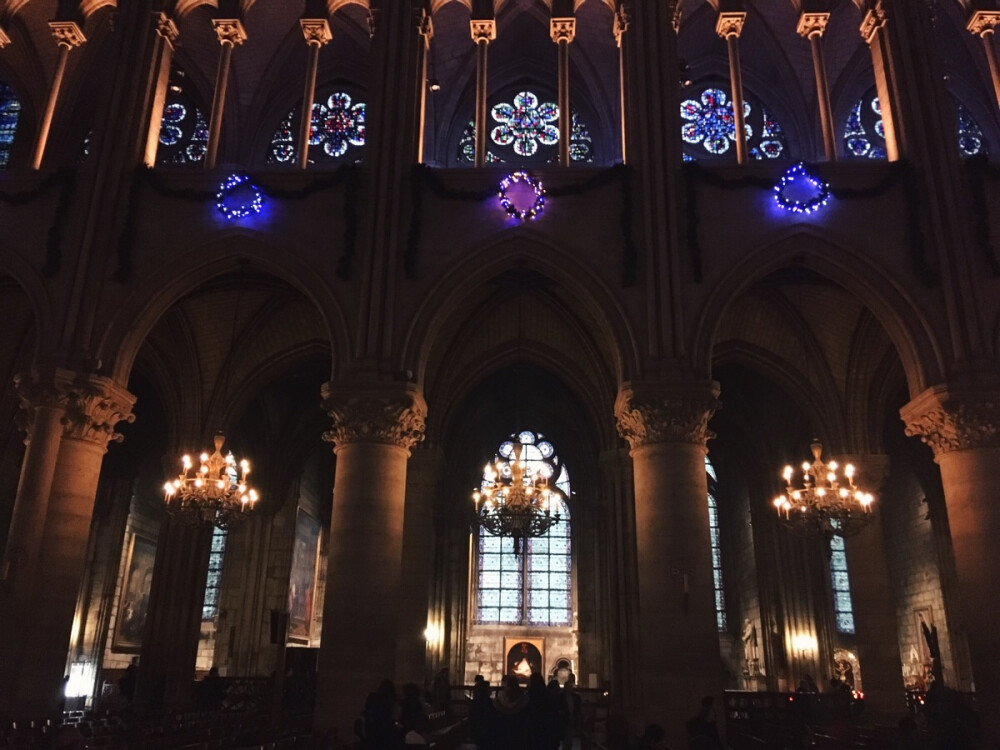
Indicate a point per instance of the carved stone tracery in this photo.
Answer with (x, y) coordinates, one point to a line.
(392, 417)
(667, 415)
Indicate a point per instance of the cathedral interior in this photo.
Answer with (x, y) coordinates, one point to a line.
(653, 250)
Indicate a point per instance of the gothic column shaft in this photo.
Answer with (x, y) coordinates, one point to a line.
(230, 33)
(562, 31)
(729, 26)
(483, 32)
(68, 36)
(163, 54)
(983, 24)
(317, 33)
(812, 26)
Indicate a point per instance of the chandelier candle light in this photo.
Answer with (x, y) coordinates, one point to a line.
(514, 499)
(827, 503)
(216, 493)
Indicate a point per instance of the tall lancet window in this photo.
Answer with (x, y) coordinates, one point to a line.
(843, 610)
(713, 526)
(535, 587)
(210, 604)
(10, 111)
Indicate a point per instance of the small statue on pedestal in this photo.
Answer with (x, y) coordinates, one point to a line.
(751, 653)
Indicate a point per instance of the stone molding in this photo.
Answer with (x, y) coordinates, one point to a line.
(389, 415)
(229, 31)
(954, 420)
(620, 24)
(982, 23)
(67, 34)
(483, 30)
(92, 405)
(316, 31)
(666, 414)
(812, 24)
(730, 25)
(874, 20)
(166, 27)
(4, 39)
(562, 30)
(676, 15)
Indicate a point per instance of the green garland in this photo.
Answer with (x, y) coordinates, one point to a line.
(66, 179)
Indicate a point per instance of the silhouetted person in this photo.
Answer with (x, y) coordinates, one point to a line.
(573, 705)
(557, 714)
(380, 718)
(412, 714)
(654, 738)
(211, 691)
(441, 690)
(511, 705)
(701, 730)
(539, 712)
(126, 683)
(482, 716)
(807, 685)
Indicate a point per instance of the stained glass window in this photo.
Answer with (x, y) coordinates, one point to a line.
(10, 110)
(337, 130)
(210, 604)
(535, 587)
(713, 526)
(183, 127)
(843, 610)
(526, 130)
(864, 133)
(709, 128)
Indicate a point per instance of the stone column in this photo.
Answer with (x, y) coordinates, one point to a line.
(419, 540)
(167, 33)
(729, 26)
(874, 605)
(962, 427)
(374, 429)
(811, 26)
(666, 427)
(619, 29)
(317, 33)
(983, 24)
(483, 32)
(70, 428)
(68, 36)
(230, 33)
(562, 31)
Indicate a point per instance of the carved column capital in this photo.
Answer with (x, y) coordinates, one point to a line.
(166, 27)
(483, 30)
(316, 31)
(730, 25)
(620, 25)
(954, 420)
(562, 30)
(4, 39)
(67, 34)
(812, 24)
(393, 415)
(983, 23)
(874, 20)
(425, 26)
(92, 405)
(676, 16)
(229, 31)
(652, 413)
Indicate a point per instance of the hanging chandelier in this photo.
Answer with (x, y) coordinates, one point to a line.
(217, 493)
(515, 499)
(827, 503)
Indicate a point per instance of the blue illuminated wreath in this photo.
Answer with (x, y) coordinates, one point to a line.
(232, 208)
(797, 173)
(528, 213)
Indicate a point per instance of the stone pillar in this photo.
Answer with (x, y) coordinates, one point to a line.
(317, 33)
(68, 36)
(70, 427)
(962, 427)
(163, 53)
(419, 540)
(874, 605)
(619, 29)
(666, 427)
(983, 24)
(230, 33)
(729, 26)
(483, 32)
(562, 31)
(811, 26)
(374, 428)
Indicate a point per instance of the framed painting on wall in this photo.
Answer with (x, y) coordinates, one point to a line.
(524, 657)
(302, 580)
(133, 600)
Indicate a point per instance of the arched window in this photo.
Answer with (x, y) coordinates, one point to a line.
(535, 587)
(525, 130)
(709, 128)
(336, 133)
(864, 133)
(713, 526)
(210, 604)
(183, 127)
(843, 610)
(10, 110)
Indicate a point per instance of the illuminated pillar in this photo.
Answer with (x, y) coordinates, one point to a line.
(667, 431)
(317, 33)
(619, 29)
(811, 26)
(729, 26)
(873, 31)
(426, 29)
(483, 32)
(962, 427)
(68, 36)
(167, 32)
(374, 429)
(4, 39)
(230, 33)
(983, 24)
(562, 31)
